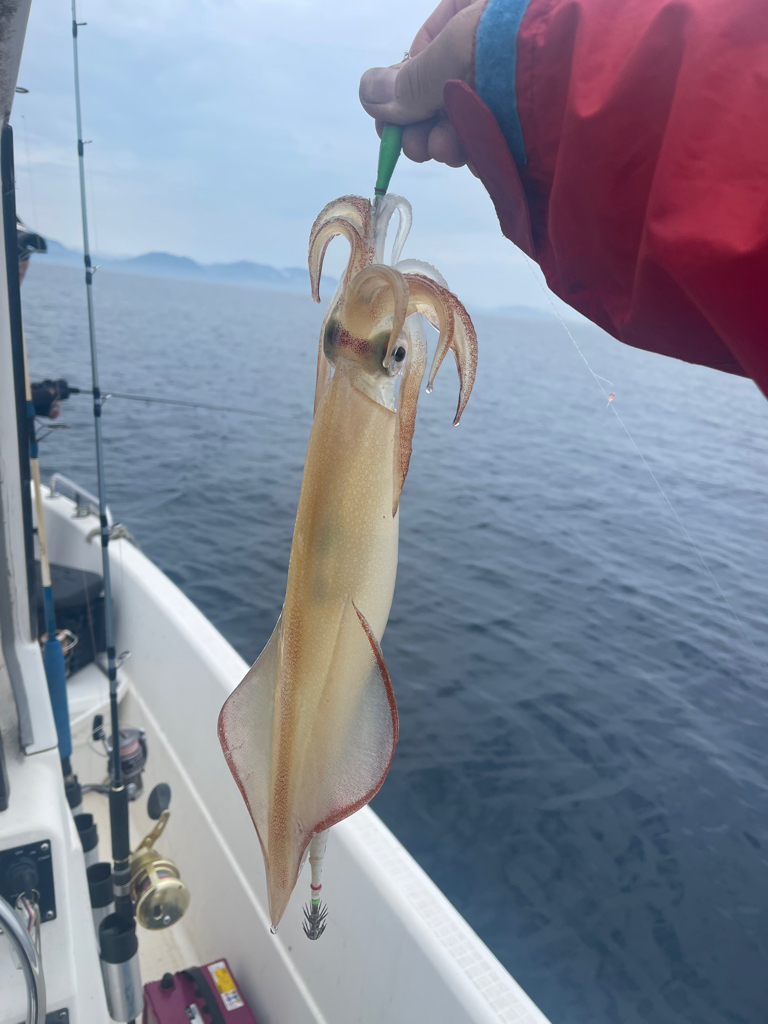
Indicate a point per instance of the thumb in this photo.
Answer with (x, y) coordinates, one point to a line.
(413, 91)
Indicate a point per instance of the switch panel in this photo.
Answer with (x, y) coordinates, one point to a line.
(29, 867)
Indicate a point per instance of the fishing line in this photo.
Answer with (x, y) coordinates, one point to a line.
(60, 390)
(609, 398)
(189, 405)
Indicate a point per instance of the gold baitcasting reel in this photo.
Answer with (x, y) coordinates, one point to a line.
(160, 895)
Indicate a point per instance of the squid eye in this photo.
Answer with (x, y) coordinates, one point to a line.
(399, 354)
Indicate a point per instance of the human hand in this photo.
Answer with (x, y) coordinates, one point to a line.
(411, 93)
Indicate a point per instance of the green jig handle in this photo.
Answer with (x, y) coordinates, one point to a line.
(389, 151)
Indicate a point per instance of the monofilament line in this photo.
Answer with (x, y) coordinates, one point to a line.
(598, 380)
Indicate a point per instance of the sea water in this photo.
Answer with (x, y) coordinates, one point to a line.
(579, 659)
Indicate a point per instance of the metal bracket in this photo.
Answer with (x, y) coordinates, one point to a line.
(89, 506)
(154, 834)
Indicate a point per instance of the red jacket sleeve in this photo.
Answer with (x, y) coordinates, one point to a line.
(641, 181)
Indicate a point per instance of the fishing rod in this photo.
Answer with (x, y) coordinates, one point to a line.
(53, 651)
(118, 794)
(118, 945)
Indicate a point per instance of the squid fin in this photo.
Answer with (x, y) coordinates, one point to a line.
(355, 736)
(336, 764)
(346, 753)
(245, 734)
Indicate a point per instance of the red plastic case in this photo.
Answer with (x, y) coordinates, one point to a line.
(199, 995)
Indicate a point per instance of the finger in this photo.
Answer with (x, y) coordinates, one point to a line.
(413, 91)
(416, 141)
(436, 22)
(444, 146)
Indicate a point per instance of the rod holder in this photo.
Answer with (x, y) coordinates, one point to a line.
(120, 968)
(74, 792)
(89, 838)
(101, 893)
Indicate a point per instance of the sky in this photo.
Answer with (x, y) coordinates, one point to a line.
(220, 129)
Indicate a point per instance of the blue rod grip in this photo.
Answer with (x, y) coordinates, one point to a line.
(53, 659)
(55, 673)
(50, 614)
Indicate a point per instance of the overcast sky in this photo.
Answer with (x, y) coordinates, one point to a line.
(221, 128)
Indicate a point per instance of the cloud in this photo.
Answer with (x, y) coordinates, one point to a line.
(220, 130)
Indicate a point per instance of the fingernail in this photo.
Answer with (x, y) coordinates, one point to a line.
(378, 85)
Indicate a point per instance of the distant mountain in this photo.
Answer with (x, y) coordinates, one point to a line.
(243, 272)
(58, 253)
(165, 264)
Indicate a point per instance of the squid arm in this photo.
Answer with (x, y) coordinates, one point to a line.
(457, 333)
(349, 216)
(427, 295)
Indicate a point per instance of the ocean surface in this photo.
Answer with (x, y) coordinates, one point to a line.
(579, 661)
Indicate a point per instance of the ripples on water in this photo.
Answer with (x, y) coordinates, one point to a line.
(581, 759)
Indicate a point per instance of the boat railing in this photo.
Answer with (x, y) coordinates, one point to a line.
(87, 503)
(29, 960)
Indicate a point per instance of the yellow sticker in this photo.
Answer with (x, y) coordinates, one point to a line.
(225, 985)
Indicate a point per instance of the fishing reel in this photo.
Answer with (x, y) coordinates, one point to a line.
(133, 755)
(160, 895)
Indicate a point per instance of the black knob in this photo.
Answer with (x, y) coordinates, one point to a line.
(22, 877)
(167, 981)
(159, 800)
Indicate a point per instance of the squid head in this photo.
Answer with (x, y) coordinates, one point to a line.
(374, 332)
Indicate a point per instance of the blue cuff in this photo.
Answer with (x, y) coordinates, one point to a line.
(496, 68)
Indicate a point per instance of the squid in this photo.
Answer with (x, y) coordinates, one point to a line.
(310, 732)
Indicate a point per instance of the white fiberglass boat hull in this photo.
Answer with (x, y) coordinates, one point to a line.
(395, 951)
